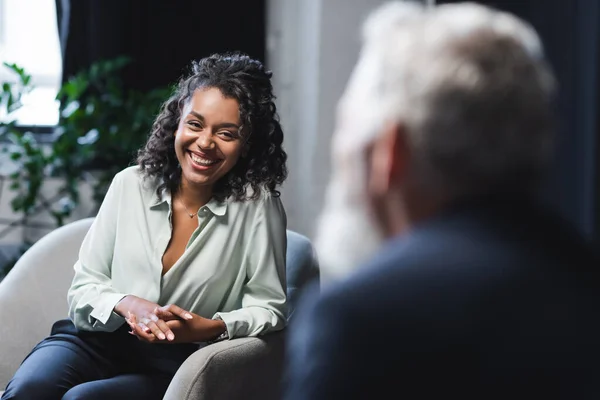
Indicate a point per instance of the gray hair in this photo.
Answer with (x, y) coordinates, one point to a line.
(472, 89)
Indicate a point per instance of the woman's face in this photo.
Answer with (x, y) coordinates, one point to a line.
(207, 141)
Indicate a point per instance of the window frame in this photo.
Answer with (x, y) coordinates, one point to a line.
(41, 131)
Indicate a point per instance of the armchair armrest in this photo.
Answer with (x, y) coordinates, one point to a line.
(243, 368)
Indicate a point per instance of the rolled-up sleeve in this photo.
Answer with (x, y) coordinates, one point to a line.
(91, 296)
(264, 306)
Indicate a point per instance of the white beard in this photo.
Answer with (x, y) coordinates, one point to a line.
(346, 233)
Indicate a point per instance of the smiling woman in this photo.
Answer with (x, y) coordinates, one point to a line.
(208, 142)
(188, 246)
(244, 88)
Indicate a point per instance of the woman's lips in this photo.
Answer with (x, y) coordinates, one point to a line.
(202, 162)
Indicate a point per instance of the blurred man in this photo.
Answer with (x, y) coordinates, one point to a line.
(466, 287)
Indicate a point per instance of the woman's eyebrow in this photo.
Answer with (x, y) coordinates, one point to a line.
(217, 126)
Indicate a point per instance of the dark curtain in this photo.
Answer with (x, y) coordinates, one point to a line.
(570, 32)
(160, 36)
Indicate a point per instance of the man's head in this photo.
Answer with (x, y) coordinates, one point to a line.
(444, 103)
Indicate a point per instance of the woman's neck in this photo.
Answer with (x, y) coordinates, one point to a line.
(193, 197)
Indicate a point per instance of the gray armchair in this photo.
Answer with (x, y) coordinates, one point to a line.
(33, 296)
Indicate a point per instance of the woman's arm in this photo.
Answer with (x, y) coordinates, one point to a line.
(91, 296)
(264, 306)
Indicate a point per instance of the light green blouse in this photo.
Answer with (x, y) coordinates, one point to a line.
(233, 266)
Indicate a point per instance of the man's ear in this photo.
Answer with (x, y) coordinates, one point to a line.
(388, 159)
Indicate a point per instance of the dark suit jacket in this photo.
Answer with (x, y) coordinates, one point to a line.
(491, 300)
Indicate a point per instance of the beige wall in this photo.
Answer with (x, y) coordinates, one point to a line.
(312, 46)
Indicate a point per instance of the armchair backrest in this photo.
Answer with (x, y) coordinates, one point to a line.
(33, 294)
(302, 267)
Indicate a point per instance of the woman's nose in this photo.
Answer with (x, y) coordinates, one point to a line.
(205, 140)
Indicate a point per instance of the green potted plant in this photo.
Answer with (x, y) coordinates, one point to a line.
(101, 126)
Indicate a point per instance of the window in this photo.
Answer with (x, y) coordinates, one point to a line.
(29, 38)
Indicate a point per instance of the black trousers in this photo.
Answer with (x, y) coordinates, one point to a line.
(71, 364)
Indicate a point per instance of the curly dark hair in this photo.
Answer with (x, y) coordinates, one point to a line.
(244, 79)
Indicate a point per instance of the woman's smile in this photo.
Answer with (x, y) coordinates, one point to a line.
(203, 162)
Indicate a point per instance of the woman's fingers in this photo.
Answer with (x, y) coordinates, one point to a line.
(131, 320)
(176, 311)
(150, 327)
(153, 327)
(164, 315)
(162, 325)
(131, 325)
(140, 329)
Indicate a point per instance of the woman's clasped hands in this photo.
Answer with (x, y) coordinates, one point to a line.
(153, 323)
(149, 321)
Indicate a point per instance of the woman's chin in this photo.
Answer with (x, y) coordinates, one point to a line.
(197, 180)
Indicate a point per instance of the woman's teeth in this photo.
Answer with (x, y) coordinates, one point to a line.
(202, 161)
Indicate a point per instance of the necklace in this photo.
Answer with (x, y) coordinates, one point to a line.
(186, 209)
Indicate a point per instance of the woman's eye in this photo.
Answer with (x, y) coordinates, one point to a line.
(227, 134)
(194, 124)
